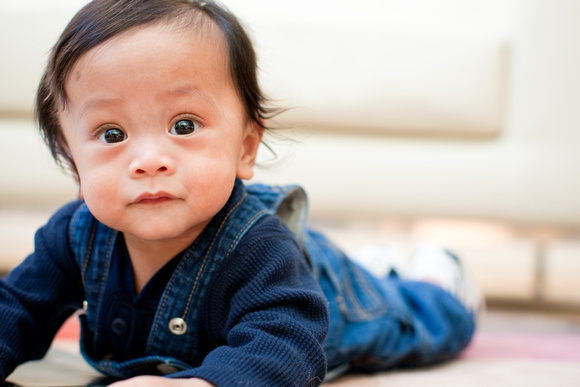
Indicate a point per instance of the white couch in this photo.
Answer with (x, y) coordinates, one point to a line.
(454, 108)
(467, 110)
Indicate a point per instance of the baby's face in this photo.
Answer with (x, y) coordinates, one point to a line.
(157, 131)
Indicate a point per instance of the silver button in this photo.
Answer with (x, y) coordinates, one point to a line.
(177, 326)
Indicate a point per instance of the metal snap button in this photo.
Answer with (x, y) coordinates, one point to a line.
(177, 326)
(119, 326)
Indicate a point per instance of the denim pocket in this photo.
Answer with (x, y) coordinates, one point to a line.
(355, 290)
(362, 299)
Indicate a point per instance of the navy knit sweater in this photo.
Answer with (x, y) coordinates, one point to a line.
(265, 317)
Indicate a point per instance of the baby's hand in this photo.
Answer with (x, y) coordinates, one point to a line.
(157, 381)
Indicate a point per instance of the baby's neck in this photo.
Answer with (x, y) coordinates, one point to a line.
(148, 257)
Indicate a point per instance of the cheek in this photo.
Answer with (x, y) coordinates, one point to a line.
(96, 184)
(102, 197)
(96, 167)
(212, 174)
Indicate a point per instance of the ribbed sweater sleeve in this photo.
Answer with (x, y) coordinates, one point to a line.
(38, 295)
(265, 317)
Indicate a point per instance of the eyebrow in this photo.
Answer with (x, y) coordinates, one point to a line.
(96, 103)
(189, 91)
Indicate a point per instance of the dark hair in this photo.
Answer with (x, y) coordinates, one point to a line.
(101, 20)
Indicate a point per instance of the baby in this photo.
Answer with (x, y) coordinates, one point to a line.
(186, 276)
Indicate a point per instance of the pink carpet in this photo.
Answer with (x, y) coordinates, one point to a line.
(513, 345)
(70, 330)
(499, 359)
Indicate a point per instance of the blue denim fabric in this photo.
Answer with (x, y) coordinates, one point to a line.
(374, 323)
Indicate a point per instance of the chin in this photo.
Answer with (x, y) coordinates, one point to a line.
(155, 235)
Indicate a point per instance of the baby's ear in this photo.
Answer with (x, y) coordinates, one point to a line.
(250, 143)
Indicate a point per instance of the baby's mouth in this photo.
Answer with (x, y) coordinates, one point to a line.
(154, 198)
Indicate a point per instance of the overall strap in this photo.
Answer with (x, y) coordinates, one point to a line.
(92, 244)
(180, 303)
(290, 204)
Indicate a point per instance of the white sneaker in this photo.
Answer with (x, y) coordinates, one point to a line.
(380, 260)
(432, 263)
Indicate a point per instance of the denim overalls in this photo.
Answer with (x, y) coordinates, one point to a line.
(374, 323)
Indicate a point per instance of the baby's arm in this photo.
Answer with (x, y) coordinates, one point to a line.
(38, 296)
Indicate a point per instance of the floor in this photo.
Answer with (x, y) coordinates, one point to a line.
(515, 346)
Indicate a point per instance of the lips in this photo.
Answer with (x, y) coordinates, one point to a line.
(154, 198)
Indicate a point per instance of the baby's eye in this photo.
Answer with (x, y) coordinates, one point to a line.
(111, 136)
(184, 127)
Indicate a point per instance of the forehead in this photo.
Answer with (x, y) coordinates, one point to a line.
(150, 49)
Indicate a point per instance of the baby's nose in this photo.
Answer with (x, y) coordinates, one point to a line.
(151, 160)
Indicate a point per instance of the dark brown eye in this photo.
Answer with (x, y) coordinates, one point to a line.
(184, 127)
(111, 136)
